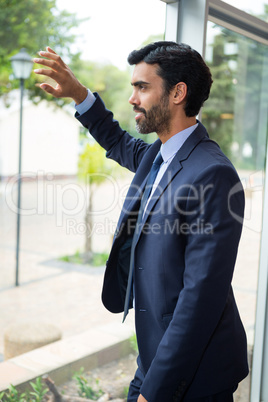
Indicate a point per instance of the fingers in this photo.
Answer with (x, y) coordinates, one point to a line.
(49, 89)
(49, 73)
(52, 60)
(68, 85)
(47, 63)
(51, 55)
(50, 50)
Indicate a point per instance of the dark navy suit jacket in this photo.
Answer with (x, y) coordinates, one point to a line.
(190, 337)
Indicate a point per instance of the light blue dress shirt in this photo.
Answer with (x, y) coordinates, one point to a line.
(86, 104)
(168, 151)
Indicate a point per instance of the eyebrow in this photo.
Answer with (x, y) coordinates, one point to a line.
(137, 83)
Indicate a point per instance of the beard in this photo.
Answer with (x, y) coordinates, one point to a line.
(157, 119)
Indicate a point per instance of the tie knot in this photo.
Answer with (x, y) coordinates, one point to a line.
(158, 159)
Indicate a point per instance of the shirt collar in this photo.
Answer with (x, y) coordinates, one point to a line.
(171, 147)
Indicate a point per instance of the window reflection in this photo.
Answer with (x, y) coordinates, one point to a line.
(234, 112)
(235, 116)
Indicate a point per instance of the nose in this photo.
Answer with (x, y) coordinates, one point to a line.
(133, 100)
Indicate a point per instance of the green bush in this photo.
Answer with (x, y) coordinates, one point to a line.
(85, 389)
(37, 394)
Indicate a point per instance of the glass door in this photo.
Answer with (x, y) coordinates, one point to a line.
(236, 117)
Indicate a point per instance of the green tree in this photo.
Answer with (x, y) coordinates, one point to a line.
(32, 24)
(93, 168)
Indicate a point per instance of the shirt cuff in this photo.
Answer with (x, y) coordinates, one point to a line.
(86, 104)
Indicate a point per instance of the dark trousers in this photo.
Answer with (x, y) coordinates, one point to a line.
(135, 385)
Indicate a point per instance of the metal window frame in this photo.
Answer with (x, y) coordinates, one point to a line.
(259, 388)
(216, 11)
(237, 20)
(186, 21)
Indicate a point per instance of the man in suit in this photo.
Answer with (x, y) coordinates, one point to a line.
(177, 237)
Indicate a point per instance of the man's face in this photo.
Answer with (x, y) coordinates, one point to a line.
(149, 100)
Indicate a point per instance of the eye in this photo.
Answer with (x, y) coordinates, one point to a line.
(142, 87)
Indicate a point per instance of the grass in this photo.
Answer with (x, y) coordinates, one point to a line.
(94, 259)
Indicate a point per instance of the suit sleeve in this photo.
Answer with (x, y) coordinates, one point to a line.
(209, 264)
(120, 146)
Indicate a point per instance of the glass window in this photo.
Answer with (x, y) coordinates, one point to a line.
(235, 116)
(258, 8)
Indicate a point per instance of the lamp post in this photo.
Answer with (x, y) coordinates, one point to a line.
(22, 67)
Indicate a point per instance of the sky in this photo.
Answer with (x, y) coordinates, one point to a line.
(115, 27)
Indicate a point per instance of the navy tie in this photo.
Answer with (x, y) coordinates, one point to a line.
(149, 184)
(151, 178)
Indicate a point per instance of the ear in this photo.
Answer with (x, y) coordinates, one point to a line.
(179, 93)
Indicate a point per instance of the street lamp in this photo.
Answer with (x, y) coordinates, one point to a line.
(22, 67)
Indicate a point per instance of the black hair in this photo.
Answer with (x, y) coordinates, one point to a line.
(178, 62)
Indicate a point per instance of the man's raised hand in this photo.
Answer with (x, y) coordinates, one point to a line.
(68, 85)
